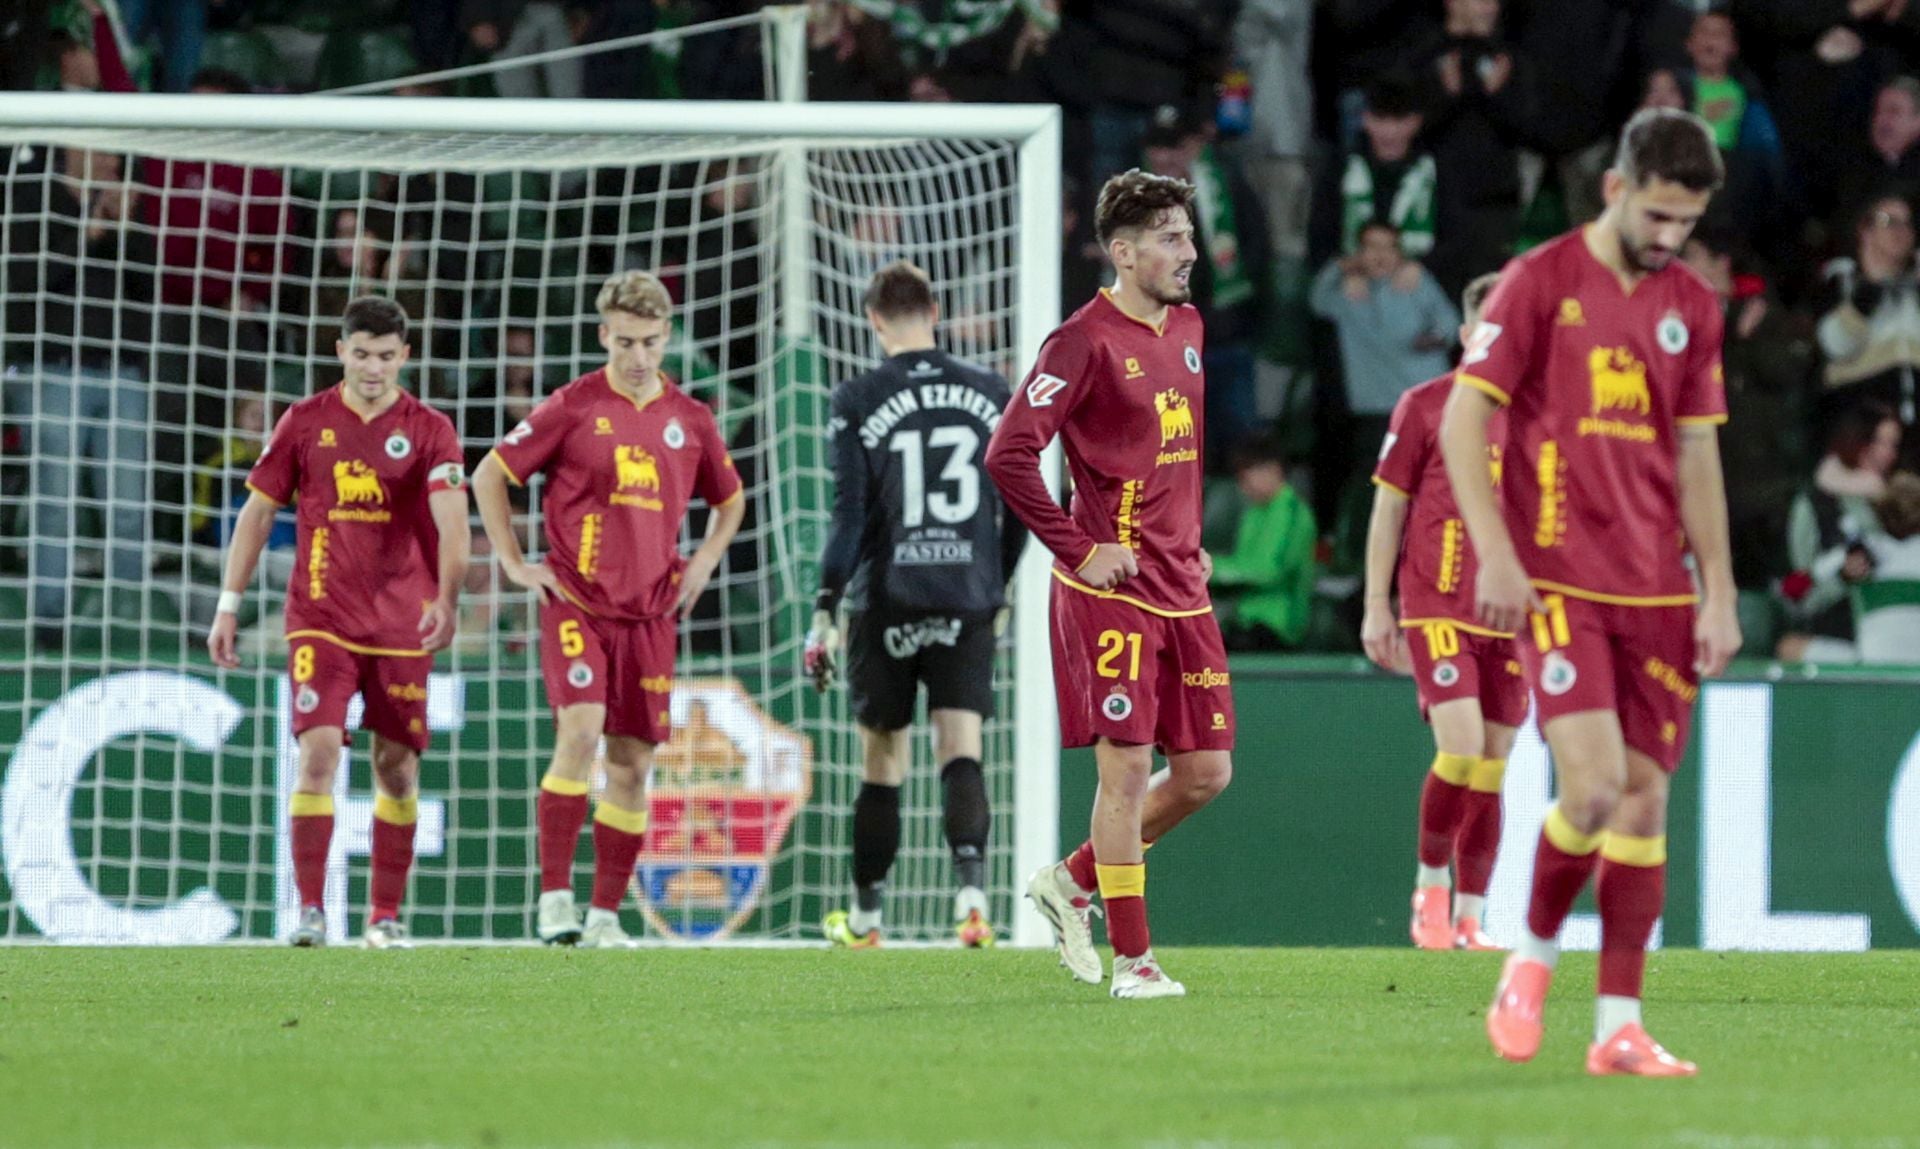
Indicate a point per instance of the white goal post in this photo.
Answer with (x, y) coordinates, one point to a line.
(775, 210)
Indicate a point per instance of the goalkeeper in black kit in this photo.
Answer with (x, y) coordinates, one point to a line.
(921, 551)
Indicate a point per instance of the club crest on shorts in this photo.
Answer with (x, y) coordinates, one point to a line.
(398, 446)
(1671, 333)
(1557, 674)
(579, 675)
(1445, 673)
(1193, 359)
(709, 848)
(306, 700)
(1117, 707)
(675, 436)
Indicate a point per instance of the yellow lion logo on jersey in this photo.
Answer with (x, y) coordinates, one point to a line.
(1619, 381)
(633, 467)
(1176, 417)
(355, 482)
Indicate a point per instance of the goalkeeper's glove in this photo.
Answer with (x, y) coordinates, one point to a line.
(1000, 619)
(822, 654)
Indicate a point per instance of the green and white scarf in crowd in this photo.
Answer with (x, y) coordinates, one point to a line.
(1213, 201)
(953, 22)
(1411, 210)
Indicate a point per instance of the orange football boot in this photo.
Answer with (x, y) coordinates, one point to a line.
(1467, 935)
(1430, 928)
(1631, 1053)
(1513, 1021)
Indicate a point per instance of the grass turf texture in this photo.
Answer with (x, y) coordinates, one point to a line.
(522, 1047)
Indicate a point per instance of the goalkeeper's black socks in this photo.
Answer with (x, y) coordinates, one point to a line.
(968, 820)
(876, 839)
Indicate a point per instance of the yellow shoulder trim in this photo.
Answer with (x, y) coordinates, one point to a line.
(1617, 599)
(1483, 386)
(1401, 491)
(376, 651)
(511, 477)
(729, 500)
(1699, 420)
(1163, 612)
(264, 495)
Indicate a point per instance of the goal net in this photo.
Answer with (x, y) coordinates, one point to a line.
(171, 275)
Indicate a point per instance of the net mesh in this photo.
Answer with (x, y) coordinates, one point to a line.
(167, 293)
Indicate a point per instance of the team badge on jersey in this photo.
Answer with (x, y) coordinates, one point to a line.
(1117, 707)
(1671, 333)
(674, 436)
(708, 850)
(1445, 674)
(1557, 674)
(398, 447)
(579, 676)
(307, 699)
(1193, 359)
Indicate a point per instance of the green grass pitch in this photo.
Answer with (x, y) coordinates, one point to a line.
(773, 1048)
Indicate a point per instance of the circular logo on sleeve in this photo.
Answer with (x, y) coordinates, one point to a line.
(1193, 359)
(579, 676)
(675, 435)
(1671, 333)
(1117, 707)
(398, 447)
(307, 700)
(1557, 674)
(1445, 674)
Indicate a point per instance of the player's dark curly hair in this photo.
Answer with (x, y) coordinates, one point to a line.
(1671, 145)
(1136, 199)
(376, 315)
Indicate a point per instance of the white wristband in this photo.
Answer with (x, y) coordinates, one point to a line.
(229, 602)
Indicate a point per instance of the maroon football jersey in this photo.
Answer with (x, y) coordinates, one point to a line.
(1437, 567)
(1126, 400)
(619, 477)
(1596, 382)
(368, 552)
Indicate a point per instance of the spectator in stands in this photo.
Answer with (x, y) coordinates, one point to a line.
(219, 491)
(1727, 96)
(1827, 529)
(1263, 587)
(1871, 334)
(79, 288)
(1582, 52)
(1274, 37)
(724, 280)
(506, 29)
(1663, 90)
(1229, 281)
(1889, 160)
(1887, 606)
(851, 56)
(362, 256)
(181, 26)
(972, 52)
(1481, 109)
(1394, 326)
(1386, 177)
(1768, 357)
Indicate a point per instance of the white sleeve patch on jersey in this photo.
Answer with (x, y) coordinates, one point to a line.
(1480, 343)
(1044, 387)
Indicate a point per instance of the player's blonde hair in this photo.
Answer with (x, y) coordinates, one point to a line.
(637, 293)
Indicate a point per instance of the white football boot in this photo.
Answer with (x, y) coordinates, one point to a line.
(559, 922)
(1068, 910)
(1141, 977)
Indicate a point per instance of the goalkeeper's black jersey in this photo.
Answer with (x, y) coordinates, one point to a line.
(917, 523)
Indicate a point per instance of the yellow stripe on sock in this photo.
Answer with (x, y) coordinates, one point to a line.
(1128, 881)
(396, 811)
(1568, 840)
(629, 821)
(305, 805)
(1631, 851)
(1454, 769)
(554, 784)
(1488, 774)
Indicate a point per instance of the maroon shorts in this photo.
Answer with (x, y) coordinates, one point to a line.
(393, 687)
(1126, 674)
(626, 667)
(1634, 660)
(1450, 664)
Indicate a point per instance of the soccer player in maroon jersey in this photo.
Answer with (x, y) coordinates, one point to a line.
(1137, 655)
(1466, 675)
(382, 550)
(624, 450)
(1605, 351)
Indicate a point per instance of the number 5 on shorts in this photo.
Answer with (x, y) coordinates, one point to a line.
(572, 642)
(1112, 644)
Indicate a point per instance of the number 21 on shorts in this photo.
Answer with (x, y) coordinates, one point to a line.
(1114, 644)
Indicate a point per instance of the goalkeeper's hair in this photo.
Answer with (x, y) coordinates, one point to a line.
(1134, 200)
(899, 290)
(376, 315)
(637, 293)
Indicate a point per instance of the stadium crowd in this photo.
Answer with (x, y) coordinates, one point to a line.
(1358, 162)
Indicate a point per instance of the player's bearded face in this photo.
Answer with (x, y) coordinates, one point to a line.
(1655, 221)
(635, 347)
(1163, 259)
(370, 364)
